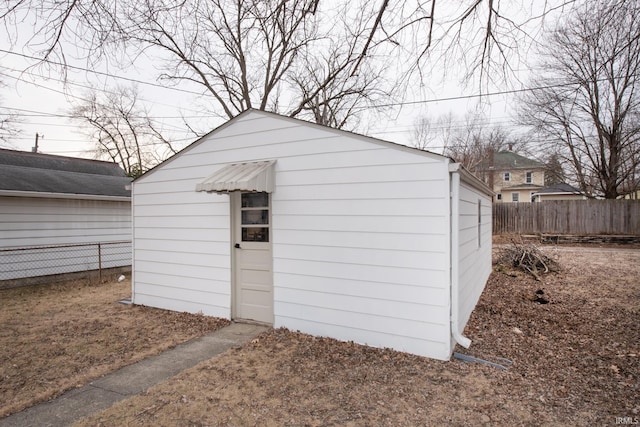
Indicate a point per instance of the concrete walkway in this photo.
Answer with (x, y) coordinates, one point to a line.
(131, 380)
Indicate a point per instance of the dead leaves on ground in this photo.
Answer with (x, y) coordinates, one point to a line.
(62, 335)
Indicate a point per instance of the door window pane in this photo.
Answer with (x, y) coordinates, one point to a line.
(256, 216)
(255, 200)
(255, 234)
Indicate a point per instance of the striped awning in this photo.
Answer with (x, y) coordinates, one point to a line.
(251, 176)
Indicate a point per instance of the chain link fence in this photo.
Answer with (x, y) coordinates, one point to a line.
(40, 264)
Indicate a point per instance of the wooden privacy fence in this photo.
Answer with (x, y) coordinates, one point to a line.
(582, 217)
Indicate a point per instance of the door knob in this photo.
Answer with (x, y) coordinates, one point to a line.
(237, 246)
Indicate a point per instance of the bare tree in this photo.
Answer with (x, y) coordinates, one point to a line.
(554, 171)
(434, 134)
(8, 125)
(474, 146)
(241, 54)
(486, 36)
(8, 128)
(470, 142)
(587, 103)
(423, 135)
(252, 54)
(123, 131)
(237, 51)
(328, 92)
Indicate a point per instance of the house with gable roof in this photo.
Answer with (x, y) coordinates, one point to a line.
(513, 178)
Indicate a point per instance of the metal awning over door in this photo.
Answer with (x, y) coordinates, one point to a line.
(250, 176)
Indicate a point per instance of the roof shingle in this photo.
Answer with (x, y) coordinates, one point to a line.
(507, 160)
(45, 173)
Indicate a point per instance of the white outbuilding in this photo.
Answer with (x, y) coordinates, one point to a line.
(280, 221)
(60, 216)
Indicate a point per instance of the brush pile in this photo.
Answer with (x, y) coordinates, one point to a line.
(528, 258)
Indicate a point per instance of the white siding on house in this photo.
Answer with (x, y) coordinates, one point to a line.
(36, 222)
(33, 221)
(474, 250)
(360, 234)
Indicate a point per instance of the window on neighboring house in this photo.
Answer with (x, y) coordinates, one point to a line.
(532, 197)
(528, 178)
(507, 177)
(515, 197)
(498, 196)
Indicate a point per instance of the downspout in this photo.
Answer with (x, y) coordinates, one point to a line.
(454, 169)
(133, 258)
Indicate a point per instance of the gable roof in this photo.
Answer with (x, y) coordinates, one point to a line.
(468, 177)
(294, 120)
(22, 171)
(560, 188)
(525, 186)
(506, 160)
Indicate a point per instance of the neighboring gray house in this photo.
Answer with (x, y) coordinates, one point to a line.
(297, 225)
(47, 201)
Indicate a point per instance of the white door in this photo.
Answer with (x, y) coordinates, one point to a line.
(253, 287)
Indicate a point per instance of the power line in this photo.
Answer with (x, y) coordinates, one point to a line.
(26, 138)
(100, 73)
(44, 87)
(88, 142)
(403, 129)
(87, 100)
(391, 104)
(148, 144)
(462, 97)
(36, 113)
(72, 83)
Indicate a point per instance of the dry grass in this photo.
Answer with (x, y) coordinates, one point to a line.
(575, 361)
(56, 337)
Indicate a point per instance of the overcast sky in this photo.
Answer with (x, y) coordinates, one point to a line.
(38, 95)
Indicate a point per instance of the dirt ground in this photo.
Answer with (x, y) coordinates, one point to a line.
(60, 336)
(573, 360)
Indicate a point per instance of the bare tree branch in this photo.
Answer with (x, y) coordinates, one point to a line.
(376, 25)
(594, 125)
(122, 130)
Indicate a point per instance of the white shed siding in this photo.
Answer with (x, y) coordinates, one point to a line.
(37, 222)
(474, 255)
(360, 247)
(360, 234)
(181, 247)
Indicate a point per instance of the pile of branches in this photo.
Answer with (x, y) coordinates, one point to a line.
(528, 258)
